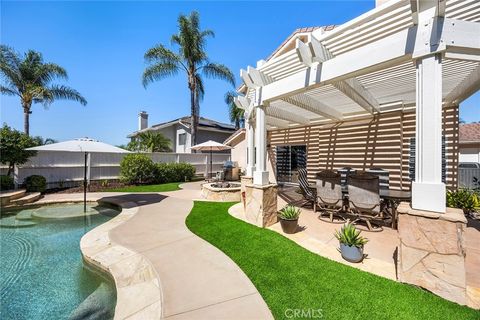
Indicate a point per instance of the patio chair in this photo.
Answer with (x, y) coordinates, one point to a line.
(364, 200)
(330, 196)
(309, 194)
(344, 174)
(383, 177)
(383, 183)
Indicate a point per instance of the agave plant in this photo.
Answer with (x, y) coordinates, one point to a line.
(289, 213)
(350, 236)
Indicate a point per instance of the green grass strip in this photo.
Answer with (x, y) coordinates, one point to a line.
(164, 187)
(290, 277)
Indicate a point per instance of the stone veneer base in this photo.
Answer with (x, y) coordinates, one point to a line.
(432, 251)
(137, 284)
(221, 194)
(261, 204)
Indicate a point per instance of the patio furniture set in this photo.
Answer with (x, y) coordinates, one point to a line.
(362, 197)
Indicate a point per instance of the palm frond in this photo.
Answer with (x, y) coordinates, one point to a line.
(67, 93)
(8, 91)
(9, 67)
(219, 71)
(158, 71)
(160, 54)
(50, 71)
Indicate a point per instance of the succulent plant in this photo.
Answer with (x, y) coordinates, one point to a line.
(289, 213)
(350, 236)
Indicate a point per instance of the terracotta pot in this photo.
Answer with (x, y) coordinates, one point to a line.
(351, 253)
(289, 226)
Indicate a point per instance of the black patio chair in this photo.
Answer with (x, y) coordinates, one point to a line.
(308, 193)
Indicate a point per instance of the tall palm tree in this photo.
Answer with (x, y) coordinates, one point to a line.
(190, 58)
(29, 78)
(236, 114)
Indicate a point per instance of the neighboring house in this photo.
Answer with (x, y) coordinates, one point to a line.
(178, 131)
(469, 143)
(239, 148)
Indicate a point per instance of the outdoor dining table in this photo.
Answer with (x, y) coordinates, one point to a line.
(392, 199)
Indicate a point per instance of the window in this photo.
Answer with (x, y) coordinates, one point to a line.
(182, 138)
(289, 160)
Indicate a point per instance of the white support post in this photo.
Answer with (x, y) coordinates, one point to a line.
(428, 190)
(250, 148)
(260, 176)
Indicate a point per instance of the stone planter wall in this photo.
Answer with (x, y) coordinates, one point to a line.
(244, 180)
(432, 252)
(261, 204)
(220, 194)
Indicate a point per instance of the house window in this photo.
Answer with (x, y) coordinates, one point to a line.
(289, 160)
(182, 138)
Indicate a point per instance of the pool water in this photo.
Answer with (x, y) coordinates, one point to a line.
(42, 275)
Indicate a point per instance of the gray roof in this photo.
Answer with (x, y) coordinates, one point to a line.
(202, 123)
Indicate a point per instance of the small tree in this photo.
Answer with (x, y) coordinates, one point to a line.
(12, 147)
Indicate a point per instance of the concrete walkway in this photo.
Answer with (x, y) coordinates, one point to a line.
(197, 280)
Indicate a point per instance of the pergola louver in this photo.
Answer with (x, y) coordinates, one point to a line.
(421, 54)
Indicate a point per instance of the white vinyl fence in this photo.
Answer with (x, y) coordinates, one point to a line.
(62, 169)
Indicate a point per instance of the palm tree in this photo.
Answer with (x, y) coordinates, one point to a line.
(190, 58)
(150, 141)
(236, 114)
(29, 78)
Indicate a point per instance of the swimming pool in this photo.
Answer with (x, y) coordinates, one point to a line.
(42, 275)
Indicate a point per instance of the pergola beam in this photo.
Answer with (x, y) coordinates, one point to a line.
(285, 115)
(465, 89)
(353, 89)
(241, 102)
(276, 122)
(309, 104)
(378, 55)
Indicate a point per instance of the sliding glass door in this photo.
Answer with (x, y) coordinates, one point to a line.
(289, 159)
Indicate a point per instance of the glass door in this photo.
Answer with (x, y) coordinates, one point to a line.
(289, 160)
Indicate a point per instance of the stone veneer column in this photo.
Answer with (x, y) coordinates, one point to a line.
(244, 180)
(261, 204)
(432, 253)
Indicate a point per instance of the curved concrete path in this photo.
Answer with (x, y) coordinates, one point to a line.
(197, 280)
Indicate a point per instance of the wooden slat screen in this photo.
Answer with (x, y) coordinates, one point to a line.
(382, 141)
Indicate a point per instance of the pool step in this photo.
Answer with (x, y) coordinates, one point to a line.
(12, 222)
(7, 196)
(24, 215)
(28, 198)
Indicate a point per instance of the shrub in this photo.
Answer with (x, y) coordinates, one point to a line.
(6, 182)
(465, 199)
(137, 169)
(35, 183)
(174, 172)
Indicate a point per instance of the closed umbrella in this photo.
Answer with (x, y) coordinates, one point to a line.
(83, 145)
(210, 146)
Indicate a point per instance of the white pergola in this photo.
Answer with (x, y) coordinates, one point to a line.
(404, 54)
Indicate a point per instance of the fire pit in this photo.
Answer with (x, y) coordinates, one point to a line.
(221, 191)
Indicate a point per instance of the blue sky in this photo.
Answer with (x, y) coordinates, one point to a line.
(101, 44)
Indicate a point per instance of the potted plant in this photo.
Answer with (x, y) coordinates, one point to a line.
(351, 243)
(289, 218)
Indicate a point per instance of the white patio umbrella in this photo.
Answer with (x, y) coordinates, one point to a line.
(86, 146)
(210, 146)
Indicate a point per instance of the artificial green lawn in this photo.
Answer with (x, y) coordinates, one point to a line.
(164, 187)
(291, 277)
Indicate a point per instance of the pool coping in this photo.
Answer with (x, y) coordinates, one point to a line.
(139, 294)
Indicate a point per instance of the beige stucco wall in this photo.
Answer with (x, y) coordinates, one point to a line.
(239, 154)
